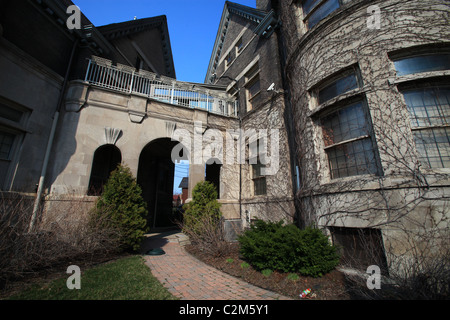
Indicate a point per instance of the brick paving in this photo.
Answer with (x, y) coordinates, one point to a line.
(188, 278)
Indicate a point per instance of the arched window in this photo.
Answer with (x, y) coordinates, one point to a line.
(106, 159)
(212, 173)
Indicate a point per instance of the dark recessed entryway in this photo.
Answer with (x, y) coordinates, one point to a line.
(155, 176)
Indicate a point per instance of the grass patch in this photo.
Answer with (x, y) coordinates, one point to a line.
(293, 276)
(267, 272)
(124, 279)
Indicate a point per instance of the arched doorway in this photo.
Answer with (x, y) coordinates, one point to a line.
(106, 159)
(155, 176)
(212, 173)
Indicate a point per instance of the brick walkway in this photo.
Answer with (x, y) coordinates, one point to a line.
(190, 279)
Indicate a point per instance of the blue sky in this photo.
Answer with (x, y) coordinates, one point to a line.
(193, 26)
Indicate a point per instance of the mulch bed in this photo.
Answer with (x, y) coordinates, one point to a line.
(329, 287)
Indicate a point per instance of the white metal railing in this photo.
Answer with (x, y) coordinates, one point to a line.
(102, 73)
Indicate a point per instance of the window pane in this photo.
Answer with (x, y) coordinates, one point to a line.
(345, 124)
(260, 186)
(338, 87)
(428, 107)
(239, 45)
(6, 142)
(433, 147)
(433, 62)
(254, 87)
(353, 158)
(323, 11)
(257, 170)
(308, 5)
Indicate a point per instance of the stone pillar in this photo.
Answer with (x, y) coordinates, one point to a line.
(196, 174)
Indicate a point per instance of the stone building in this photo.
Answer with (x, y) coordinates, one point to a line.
(368, 82)
(39, 58)
(325, 112)
(245, 59)
(100, 96)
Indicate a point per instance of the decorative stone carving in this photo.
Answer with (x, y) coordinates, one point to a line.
(112, 135)
(136, 117)
(170, 128)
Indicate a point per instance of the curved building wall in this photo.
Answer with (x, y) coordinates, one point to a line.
(371, 129)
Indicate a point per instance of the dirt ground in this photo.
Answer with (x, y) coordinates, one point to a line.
(331, 286)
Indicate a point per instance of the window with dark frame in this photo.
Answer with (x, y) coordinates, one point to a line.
(428, 104)
(14, 120)
(259, 180)
(348, 143)
(316, 10)
(228, 59)
(429, 110)
(6, 143)
(10, 113)
(239, 45)
(344, 83)
(422, 63)
(252, 87)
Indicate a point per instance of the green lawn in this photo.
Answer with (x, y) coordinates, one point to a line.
(124, 279)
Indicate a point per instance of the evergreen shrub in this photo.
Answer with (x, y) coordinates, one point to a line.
(286, 248)
(122, 207)
(203, 212)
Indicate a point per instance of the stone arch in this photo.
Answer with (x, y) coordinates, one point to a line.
(155, 175)
(106, 158)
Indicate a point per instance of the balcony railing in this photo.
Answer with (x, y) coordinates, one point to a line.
(102, 73)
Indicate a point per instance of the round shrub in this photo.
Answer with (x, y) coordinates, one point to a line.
(286, 248)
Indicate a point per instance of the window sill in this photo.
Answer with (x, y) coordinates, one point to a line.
(345, 142)
(364, 182)
(372, 182)
(418, 76)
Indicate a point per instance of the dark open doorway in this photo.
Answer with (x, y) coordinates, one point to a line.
(106, 159)
(212, 174)
(155, 176)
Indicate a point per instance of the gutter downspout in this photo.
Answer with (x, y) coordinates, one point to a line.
(50, 141)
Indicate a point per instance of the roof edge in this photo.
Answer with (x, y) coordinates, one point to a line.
(252, 14)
